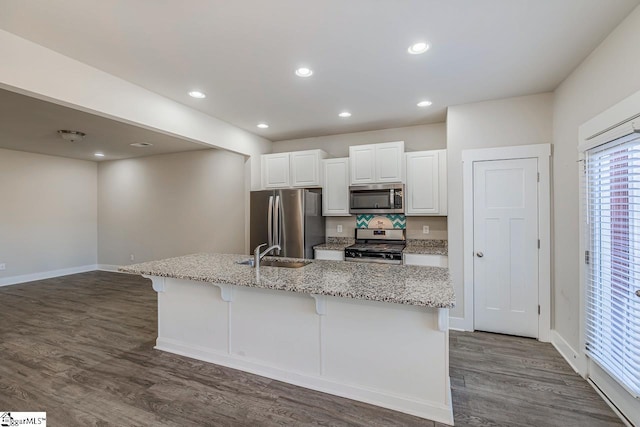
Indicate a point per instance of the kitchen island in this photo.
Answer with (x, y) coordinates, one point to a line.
(371, 332)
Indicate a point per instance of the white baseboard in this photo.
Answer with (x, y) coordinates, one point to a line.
(111, 268)
(24, 278)
(457, 324)
(576, 359)
(620, 400)
(421, 408)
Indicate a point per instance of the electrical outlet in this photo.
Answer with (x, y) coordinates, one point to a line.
(425, 229)
(133, 258)
(3, 266)
(339, 228)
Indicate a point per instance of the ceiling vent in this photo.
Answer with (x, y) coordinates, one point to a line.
(71, 135)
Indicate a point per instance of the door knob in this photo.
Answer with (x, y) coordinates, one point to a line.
(638, 293)
(479, 254)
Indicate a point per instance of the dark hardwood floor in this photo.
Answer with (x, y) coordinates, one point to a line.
(80, 348)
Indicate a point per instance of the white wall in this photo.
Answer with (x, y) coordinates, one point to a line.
(416, 138)
(499, 123)
(608, 75)
(48, 214)
(170, 205)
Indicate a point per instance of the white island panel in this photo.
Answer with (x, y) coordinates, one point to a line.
(373, 333)
(278, 328)
(388, 347)
(193, 313)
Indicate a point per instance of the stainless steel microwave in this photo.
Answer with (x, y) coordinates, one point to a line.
(376, 199)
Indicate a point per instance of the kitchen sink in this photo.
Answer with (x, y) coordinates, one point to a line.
(285, 264)
(273, 263)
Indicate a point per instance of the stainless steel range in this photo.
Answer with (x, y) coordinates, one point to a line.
(377, 245)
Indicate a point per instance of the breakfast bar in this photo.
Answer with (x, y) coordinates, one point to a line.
(375, 333)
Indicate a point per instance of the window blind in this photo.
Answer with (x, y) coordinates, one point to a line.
(612, 178)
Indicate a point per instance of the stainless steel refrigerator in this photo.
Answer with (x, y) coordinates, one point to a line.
(289, 218)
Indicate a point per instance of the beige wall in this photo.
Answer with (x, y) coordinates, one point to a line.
(170, 205)
(48, 213)
(500, 123)
(416, 138)
(608, 75)
(437, 227)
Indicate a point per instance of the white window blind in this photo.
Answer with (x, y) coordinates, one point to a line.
(613, 271)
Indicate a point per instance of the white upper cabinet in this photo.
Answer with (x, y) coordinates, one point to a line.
(335, 191)
(390, 162)
(426, 187)
(363, 164)
(275, 170)
(377, 163)
(294, 169)
(306, 168)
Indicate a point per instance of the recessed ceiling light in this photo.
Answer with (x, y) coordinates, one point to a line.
(424, 103)
(345, 114)
(418, 48)
(304, 72)
(197, 94)
(99, 154)
(141, 144)
(263, 125)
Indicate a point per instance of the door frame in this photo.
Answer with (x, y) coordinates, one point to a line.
(541, 152)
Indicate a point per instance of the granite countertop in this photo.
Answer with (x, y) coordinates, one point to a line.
(402, 284)
(425, 250)
(336, 243)
(332, 246)
(414, 246)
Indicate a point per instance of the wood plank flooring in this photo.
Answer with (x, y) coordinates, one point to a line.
(80, 348)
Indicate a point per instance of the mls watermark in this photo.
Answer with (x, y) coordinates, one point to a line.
(10, 419)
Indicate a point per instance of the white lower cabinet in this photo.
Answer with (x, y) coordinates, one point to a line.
(328, 254)
(426, 260)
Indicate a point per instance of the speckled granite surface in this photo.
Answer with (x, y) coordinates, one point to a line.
(426, 247)
(336, 243)
(402, 284)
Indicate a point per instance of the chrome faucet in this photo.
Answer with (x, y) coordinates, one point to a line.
(257, 256)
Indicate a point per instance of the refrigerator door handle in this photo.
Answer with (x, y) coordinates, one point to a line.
(276, 221)
(270, 221)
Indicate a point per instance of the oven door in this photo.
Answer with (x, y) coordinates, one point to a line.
(379, 199)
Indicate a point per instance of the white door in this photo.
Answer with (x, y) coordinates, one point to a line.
(505, 234)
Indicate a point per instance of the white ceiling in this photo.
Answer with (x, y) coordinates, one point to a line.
(243, 53)
(29, 124)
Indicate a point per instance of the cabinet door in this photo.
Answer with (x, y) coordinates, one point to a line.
(305, 169)
(426, 260)
(363, 164)
(423, 183)
(329, 254)
(335, 191)
(275, 170)
(389, 159)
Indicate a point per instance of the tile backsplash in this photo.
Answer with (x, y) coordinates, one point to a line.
(381, 221)
(414, 224)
